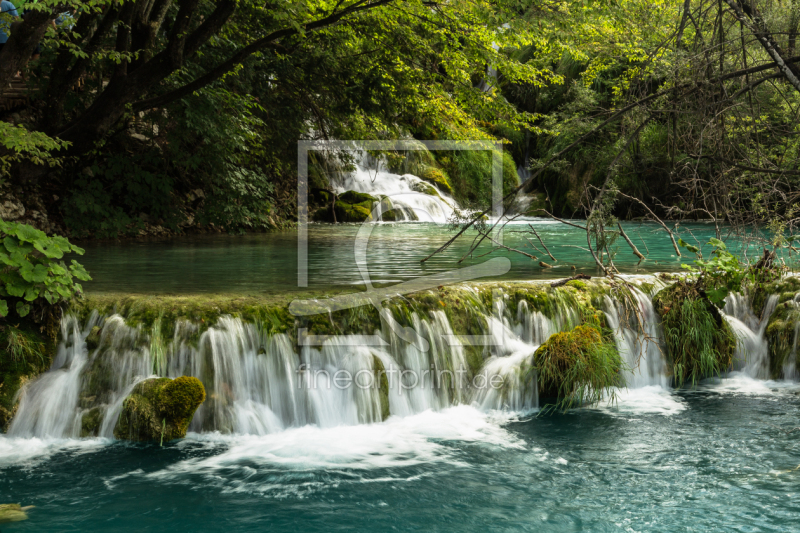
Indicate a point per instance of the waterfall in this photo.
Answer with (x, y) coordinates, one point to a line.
(638, 336)
(260, 382)
(406, 193)
(752, 352)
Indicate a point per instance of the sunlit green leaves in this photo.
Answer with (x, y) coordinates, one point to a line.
(30, 272)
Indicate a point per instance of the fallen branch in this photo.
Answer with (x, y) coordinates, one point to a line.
(564, 281)
(543, 244)
(636, 251)
(671, 235)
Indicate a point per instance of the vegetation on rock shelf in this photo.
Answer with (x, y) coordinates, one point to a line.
(700, 342)
(577, 367)
(160, 409)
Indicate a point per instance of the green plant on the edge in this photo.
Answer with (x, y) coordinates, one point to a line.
(720, 275)
(32, 270)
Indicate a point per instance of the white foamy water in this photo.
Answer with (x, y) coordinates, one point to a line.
(647, 400)
(29, 452)
(402, 190)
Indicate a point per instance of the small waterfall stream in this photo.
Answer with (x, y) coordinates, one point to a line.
(260, 383)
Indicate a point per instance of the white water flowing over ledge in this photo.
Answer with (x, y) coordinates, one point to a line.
(260, 384)
(403, 190)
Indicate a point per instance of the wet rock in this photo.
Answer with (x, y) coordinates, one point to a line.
(160, 409)
(93, 339)
(11, 209)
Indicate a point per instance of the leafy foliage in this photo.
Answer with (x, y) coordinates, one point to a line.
(33, 271)
(722, 274)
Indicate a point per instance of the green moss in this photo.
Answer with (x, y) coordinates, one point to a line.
(353, 197)
(25, 352)
(577, 284)
(382, 382)
(90, 422)
(436, 176)
(12, 512)
(781, 328)
(425, 188)
(700, 343)
(577, 366)
(160, 409)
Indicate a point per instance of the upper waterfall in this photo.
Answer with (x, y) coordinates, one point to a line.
(408, 194)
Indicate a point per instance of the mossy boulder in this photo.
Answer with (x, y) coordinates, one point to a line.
(350, 206)
(93, 339)
(425, 188)
(437, 177)
(382, 382)
(781, 329)
(90, 422)
(575, 367)
(353, 197)
(700, 342)
(13, 512)
(160, 409)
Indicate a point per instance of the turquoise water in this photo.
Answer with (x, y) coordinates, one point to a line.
(267, 263)
(722, 458)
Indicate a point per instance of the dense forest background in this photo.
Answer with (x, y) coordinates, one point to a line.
(155, 117)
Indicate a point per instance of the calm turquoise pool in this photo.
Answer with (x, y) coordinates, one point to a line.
(267, 263)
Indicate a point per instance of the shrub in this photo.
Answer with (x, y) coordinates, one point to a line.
(700, 342)
(33, 273)
(577, 366)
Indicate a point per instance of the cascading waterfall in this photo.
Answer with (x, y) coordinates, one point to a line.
(405, 192)
(259, 382)
(638, 337)
(752, 352)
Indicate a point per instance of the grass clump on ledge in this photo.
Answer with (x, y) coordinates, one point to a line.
(577, 366)
(700, 343)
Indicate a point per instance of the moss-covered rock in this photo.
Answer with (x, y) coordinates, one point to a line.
(350, 206)
(425, 188)
(13, 512)
(575, 367)
(90, 422)
(436, 176)
(93, 339)
(160, 409)
(700, 342)
(353, 197)
(25, 352)
(382, 382)
(782, 328)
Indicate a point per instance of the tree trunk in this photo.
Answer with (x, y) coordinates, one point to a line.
(21, 44)
(748, 15)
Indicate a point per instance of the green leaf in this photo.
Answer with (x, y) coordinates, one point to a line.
(79, 272)
(26, 233)
(33, 274)
(717, 296)
(3, 308)
(23, 309)
(31, 294)
(49, 249)
(717, 243)
(693, 249)
(13, 245)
